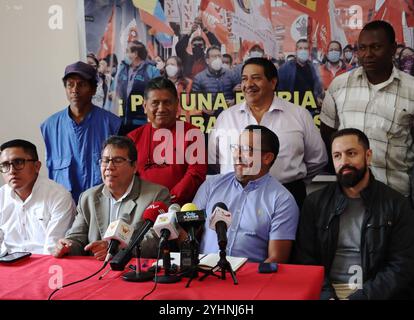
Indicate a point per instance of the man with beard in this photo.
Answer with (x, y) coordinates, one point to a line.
(358, 228)
(264, 213)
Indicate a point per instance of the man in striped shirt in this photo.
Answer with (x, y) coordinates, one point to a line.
(378, 99)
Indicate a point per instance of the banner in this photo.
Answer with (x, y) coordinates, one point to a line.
(168, 28)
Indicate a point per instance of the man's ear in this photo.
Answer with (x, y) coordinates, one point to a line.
(368, 156)
(268, 158)
(144, 105)
(38, 165)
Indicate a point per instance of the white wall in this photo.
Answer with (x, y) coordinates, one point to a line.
(33, 58)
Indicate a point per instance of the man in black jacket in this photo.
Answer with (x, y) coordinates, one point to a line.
(359, 229)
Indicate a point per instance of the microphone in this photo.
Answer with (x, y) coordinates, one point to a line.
(190, 219)
(118, 234)
(149, 216)
(166, 224)
(220, 221)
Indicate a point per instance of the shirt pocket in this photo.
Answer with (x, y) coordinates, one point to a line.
(59, 171)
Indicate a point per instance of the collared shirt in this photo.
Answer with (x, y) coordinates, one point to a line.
(385, 113)
(302, 152)
(169, 162)
(73, 150)
(261, 211)
(36, 224)
(116, 204)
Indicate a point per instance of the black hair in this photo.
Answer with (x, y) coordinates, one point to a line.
(269, 68)
(212, 48)
(160, 83)
(303, 40)
(362, 138)
(198, 38)
(348, 46)
(27, 146)
(111, 58)
(122, 142)
(268, 139)
(381, 24)
(139, 48)
(226, 55)
(337, 42)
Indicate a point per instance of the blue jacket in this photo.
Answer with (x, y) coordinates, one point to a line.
(146, 71)
(207, 82)
(287, 75)
(73, 150)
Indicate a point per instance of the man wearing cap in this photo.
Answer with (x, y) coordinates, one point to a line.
(74, 136)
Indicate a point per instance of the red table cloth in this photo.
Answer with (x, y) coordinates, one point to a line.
(36, 277)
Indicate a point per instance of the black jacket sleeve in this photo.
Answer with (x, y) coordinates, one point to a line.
(397, 271)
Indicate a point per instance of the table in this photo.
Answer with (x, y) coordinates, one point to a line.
(36, 277)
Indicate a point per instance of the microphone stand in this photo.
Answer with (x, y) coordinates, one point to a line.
(224, 266)
(192, 271)
(166, 263)
(138, 275)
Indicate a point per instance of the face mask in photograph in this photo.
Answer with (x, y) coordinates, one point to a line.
(171, 70)
(348, 55)
(216, 64)
(302, 55)
(334, 56)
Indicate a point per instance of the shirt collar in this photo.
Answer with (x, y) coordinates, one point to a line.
(251, 185)
(85, 120)
(107, 193)
(277, 104)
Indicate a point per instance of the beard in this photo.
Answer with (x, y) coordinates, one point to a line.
(351, 179)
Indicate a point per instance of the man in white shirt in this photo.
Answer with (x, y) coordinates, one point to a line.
(34, 211)
(302, 152)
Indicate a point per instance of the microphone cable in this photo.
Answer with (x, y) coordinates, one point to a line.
(78, 281)
(155, 275)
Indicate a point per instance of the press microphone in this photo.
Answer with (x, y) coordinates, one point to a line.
(118, 234)
(190, 218)
(220, 221)
(149, 216)
(166, 224)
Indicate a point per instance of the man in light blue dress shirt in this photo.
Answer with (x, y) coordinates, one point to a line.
(264, 213)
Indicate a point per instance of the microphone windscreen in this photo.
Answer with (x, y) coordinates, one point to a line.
(154, 209)
(189, 207)
(220, 205)
(174, 207)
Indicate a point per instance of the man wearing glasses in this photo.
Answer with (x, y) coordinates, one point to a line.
(170, 152)
(123, 195)
(264, 213)
(34, 211)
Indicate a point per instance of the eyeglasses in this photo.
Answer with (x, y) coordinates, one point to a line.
(244, 148)
(116, 161)
(18, 164)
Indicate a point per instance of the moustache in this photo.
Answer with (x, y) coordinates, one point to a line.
(347, 167)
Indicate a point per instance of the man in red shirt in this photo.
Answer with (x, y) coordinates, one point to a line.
(170, 152)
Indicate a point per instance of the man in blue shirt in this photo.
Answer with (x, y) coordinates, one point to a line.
(74, 136)
(264, 213)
